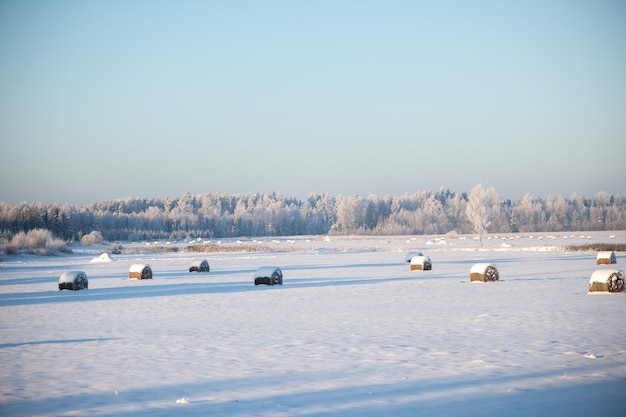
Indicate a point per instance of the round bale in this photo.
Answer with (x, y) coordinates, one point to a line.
(140, 271)
(606, 258)
(421, 263)
(73, 280)
(484, 272)
(269, 275)
(199, 266)
(607, 280)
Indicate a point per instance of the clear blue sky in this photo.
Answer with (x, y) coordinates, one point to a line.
(107, 99)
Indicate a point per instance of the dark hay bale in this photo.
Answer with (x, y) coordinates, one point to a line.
(73, 280)
(199, 266)
(268, 275)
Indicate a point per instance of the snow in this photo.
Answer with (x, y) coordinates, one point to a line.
(138, 267)
(602, 275)
(411, 255)
(69, 276)
(352, 332)
(479, 268)
(604, 255)
(197, 263)
(105, 257)
(419, 260)
(265, 271)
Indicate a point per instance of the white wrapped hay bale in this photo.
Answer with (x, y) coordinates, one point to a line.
(606, 258)
(140, 271)
(607, 280)
(421, 263)
(73, 280)
(269, 275)
(199, 266)
(484, 272)
(411, 255)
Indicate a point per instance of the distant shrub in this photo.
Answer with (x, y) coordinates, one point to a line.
(93, 238)
(224, 248)
(38, 242)
(617, 247)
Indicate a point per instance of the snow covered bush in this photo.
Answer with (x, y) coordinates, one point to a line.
(93, 238)
(37, 241)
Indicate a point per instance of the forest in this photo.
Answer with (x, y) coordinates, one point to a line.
(223, 215)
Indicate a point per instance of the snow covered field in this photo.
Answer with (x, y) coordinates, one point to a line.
(352, 332)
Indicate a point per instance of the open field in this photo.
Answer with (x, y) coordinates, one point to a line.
(352, 332)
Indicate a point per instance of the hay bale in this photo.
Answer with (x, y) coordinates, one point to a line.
(484, 272)
(606, 258)
(73, 280)
(199, 266)
(269, 275)
(411, 255)
(421, 263)
(140, 271)
(607, 280)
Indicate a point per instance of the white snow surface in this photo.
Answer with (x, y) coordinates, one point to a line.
(351, 332)
(105, 257)
(411, 255)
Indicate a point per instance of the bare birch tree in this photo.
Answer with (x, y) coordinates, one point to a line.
(478, 210)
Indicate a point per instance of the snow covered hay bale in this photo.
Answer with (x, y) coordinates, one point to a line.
(484, 272)
(73, 280)
(606, 258)
(607, 280)
(421, 263)
(140, 271)
(199, 266)
(411, 255)
(269, 275)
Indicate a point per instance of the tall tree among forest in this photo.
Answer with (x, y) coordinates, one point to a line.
(478, 210)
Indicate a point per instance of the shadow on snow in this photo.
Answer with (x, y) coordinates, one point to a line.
(451, 396)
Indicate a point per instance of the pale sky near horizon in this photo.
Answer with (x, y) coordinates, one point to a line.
(106, 99)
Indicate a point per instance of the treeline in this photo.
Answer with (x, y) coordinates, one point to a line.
(222, 215)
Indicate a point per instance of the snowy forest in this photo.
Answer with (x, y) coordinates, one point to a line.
(223, 215)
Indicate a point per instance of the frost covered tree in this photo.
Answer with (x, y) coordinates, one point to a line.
(93, 238)
(478, 209)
